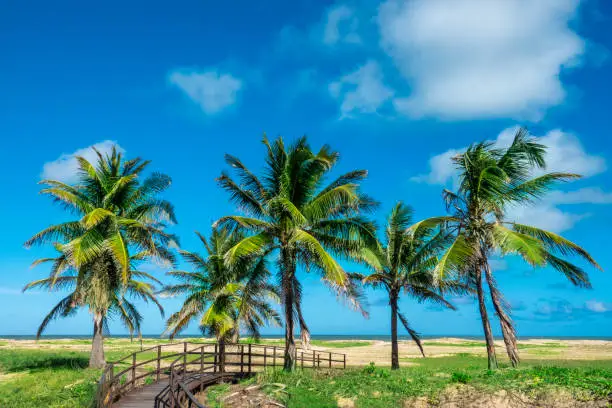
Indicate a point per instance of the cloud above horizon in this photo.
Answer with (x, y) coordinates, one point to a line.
(211, 90)
(478, 58)
(361, 91)
(565, 153)
(340, 26)
(65, 168)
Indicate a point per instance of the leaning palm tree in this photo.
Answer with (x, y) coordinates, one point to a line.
(224, 299)
(404, 263)
(290, 211)
(90, 288)
(121, 219)
(491, 180)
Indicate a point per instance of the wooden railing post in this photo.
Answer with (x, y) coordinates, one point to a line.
(344, 360)
(265, 357)
(242, 358)
(184, 358)
(216, 358)
(202, 360)
(133, 370)
(302, 356)
(110, 385)
(250, 355)
(329, 355)
(274, 358)
(313, 358)
(158, 361)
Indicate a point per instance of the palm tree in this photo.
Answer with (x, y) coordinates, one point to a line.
(290, 211)
(404, 262)
(225, 299)
(491, 180)
(121, 220)
(89, 288)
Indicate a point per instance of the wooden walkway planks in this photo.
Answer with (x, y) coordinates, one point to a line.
(141, 397)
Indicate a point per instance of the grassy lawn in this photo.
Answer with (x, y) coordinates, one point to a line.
(41, 378)
(57, 377)
(381, 387)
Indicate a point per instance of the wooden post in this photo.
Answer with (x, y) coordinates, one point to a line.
(202, 359)
(313, 358)
(344, 359)
(250, 356)
(302, 355)
(329, 354)
(265, 357)
(274, 358)
(110, 387)
(184, 357)
(319, 360)
(133, 370)
(158, 361)
(242, 358)
(216, 358)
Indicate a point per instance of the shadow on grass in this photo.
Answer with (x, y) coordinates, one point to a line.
(21, 360)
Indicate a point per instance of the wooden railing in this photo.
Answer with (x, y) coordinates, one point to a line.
(191, 366)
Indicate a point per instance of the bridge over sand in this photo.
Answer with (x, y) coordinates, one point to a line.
(171, 375)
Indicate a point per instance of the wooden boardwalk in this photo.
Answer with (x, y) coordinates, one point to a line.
(170, 375)
(143, 397)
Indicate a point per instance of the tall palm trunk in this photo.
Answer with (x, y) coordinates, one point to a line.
(96, 358)
(304, 332)
(393, 298)
(486, 325)
(505, 321)
(288, 272)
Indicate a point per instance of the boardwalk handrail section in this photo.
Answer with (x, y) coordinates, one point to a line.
(195, 365)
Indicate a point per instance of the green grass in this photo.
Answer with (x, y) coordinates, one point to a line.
(378, 387)
(40, 378)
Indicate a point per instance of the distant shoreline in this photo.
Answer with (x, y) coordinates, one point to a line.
(329, 337)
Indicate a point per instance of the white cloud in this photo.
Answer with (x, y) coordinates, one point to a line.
(341, 26)
(441, 169)
(588, 195)
(466, 59)
(65, 168)
(598, 307)
(362, 91)
(564, 153)
(210, 89)
(544, 215)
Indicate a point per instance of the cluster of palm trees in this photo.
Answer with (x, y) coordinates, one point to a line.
(291, 219)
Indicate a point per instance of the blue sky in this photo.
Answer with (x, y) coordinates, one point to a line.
(396, 87)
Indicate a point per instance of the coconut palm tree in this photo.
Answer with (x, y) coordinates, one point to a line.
(491, 180)
(404, 262)
(223, 298)
(120, 220)
(290, 211)
(90, 288)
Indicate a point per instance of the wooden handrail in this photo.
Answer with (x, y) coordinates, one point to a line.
(198, 359)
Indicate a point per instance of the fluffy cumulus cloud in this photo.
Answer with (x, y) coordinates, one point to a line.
(340, 26)
(65, 168)
(211, 90)
(565, 153)
(466, 59)
(361, 91)
(597, 306)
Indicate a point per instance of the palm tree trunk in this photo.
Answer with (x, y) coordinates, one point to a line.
(486, 325)
(304, 332)
(288, 265)
(96, 358)
(508, 331)
(393, 298)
